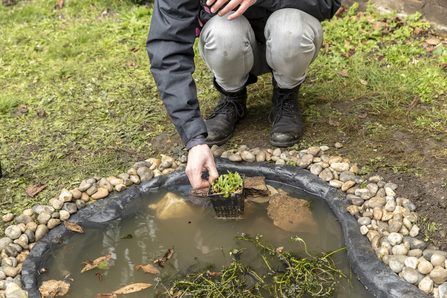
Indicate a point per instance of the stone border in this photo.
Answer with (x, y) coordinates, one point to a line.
(376, 276)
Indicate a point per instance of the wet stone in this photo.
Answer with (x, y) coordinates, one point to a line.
(70, 207)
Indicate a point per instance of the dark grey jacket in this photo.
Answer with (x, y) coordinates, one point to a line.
(174, 27)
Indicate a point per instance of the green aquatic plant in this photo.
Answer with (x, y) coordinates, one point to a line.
(227, 184)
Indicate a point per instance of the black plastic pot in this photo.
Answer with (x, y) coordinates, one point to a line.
(230, 207)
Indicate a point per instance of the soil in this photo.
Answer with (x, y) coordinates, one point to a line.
(413, 159)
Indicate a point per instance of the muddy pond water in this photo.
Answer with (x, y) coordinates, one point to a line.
(198, 239)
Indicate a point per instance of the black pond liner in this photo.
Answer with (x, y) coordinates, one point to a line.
(375, 276)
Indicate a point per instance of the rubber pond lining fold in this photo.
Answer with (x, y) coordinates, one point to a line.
(379, 280)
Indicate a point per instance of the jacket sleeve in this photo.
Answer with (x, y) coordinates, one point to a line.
(170, 48)
(320, 9)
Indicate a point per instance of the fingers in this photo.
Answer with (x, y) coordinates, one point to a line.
(212, 171)
(229, 7)
(217, 4)
(244, 6)
(195, 178)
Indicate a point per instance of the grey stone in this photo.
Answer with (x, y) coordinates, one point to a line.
(417, 253)
(165, 165)
(393, 186)
(55, 215)
(42, 208)
(13, 232)
(372, 187)
(52, 223)
(316, 169)
(104, 183)
(30, 236)
(41, 231)
(123, 176)
(410, 206)
(381, 193)
(396, 266)
(412, 262)
(4, 242)
(22, 218)
(376, 202)
(306, 160)
(394, 226)
(84, 185)
(235, 158)
(347, 176)
(375, 179)
(70, 207)
(141, 164)
(44, 217)
(80, 204)
(11, 251)
(57, 204)
(428, 253)
(226, 154)
(248, 156)
(350, 197)
(410, 275)
(443, 290)
(366, 195)
(364, 221)
(326, 175)
(91, 181)
(92, 190)
(395, 238)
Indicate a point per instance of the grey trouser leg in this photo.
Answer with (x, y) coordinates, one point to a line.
(230, 49)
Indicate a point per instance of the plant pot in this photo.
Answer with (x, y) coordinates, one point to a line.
(231, 207)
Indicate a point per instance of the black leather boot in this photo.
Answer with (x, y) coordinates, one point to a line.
(287, 127)
(229, 110)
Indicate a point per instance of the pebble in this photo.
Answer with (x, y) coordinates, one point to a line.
(314, 150)
(429, 252)
(57, 204)
(364, 221)
(410, 275)
(338, 145)
(76, 193)
(226, 154)
(347, 185)
(101, 193)
(235, 158)
(121, 187)
(164, 165)
(353, 209)
(30, 235)
(394, 226)
(396, 266)
(306, 160)
(70, 207)
(355, 169)
(425, 267)
(393, 186)
(65, 196)
(399, 250)
(44, 217)
(276, 152)
(316, 169)
(412, 262)
(104, 183)
(23, 218)
(376, 202)
(375, 179)
(426, 285)
(85, 197)
(395, 239)
(41, 231)
(64, 215)
(32, 226)
(92, 190)
(389, 192)
(13, 232)
(260, 156)
(336, 183)
(142, 164)
(80, 204)
(417, 253)
(217, 153)
(364, 230)
(7, 217)
(84, 185)
(42, 208)
(437, 260)
(326, 175)
(443, 290)
(11, 271)
(438, 275)
(91, 181)
(11, 251)
(390, 206)
(340, 166)
(52, 223)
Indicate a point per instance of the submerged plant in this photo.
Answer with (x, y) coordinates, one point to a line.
(285, 275)
(227, 184)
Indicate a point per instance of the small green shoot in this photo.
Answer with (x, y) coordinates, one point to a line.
(227, 183)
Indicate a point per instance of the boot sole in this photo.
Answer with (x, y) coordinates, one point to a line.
(284, 144)
(220, 142)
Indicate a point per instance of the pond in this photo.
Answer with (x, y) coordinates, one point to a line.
(199, 240)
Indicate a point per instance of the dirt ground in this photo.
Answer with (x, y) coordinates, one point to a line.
(409, 158)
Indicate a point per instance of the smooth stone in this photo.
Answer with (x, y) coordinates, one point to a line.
(353, 209)
(117, 181)
(371, 234)
(91, 181)
(340, 166)
(280, 161)
(30, 235)
(426, 285)
(57, 204)
(377, 213)
(386, 216)
(12, 271)
(335, 159)
(375, 179)
(217, 153)
(226, 154)
(368, 214)
(64, 215)
(410, 275)
(100, 194)
(11, 251)
(121, 187)
(164, 165)
(13, 290)
(142, 164)
(349, 197)
(155, 163)
(52, 223)
(286, 156)
(133, 171)
(383, 251)
(135, 179)
(22, 257)
(80, 204)
(394, 226)
(438, 275)
(13, 232)
(376, 202)
(172, 206)
(399, 250)
(417, 253)
(65, 196)
(123, 176)
(347, 176)
(410, 206)
(316, 169)
(414, 231)
(429, 252)
(364, 221)
(372, 187)
(276, 152)
(390, 206)
(23, 218)
(70, 207)
(41, 231)
(336, 183)
(395, 239)
(381, 193)
(2, 277)
(55, 214)
(425, 267)
(443, 290)
(389, 192)
(8, 217)
(306, 160)
(92, 190)
(42, 208)
(326, 175)
(248, 156)
(43, 218)
(235, 158)
(404, 231)
(84, 185)
(76, 193)
(347, 185)
(85, 197)
(104, 183)
(22, 227)
(412, 262)
(407, 223)
(393, 186)
(157, 173)
(314, 150)
(437, 260)
(32, 226)
(260, 156)
(364, 230)
(396, 266)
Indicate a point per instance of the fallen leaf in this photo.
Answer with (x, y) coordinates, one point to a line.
(132, 288)
(347, 43)
(418, 30)
(72, 226)
(444, 65)
(279, 249)
(377, 25)
(433, 41)
(339, 12)
(343, 73)
(96, 263)
(53, 288)
(359, 16)
(60, 4)
(334, 123)
(177, 294)
(370, 19)
(99, 276)
(134, 49)
(128, 64)
(363, 115)
(87, 262)
(213, 273)
(363, 82)
(41, 113)
(166, 257)
(105, 295)
(34, 190)
(351, 52)
(148, 269)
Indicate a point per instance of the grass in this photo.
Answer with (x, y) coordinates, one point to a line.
(86, 67)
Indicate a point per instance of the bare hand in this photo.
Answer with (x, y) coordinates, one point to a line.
(199, 158)
(244, 5)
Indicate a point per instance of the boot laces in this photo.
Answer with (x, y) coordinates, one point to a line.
(284, 107)
(226, 107)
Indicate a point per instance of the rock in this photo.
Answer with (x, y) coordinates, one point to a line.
(13, 232)
(30, 235)
(366, 195)
(336, 183)
(353, 209)
(426, 285)
(44, 217)
(123, 176)
(235, 158)
(395, 239)
(314, 150)
(57, 204)
(347, 185)
(164, 165)
(172, 206)
(376, 202)
(143, 164)
(64, 215)
(347, 176)
(325, 165)
(277, 152)
(437, 260)
(418, 244)
(70, 207)
(291, 214)
(101, 193)
(438, 275)
(226, 154)
(7, 217)
(43, 208)
(84, 185)
(76, 193)
(121, 187)
(377, 212)
(11, 251)
(248, 156)
(410, 275)
(364, 221)
(260, 156)
(256, 186)
(32, 226)
(399, 250)
(389, 192)
(84, 197)
(394, 226)
(52, 223)
(429, 252)
(105, 184)
(65, 196)
(306, 160)
(375, 179)
(326, 175)
(390, 206)
(133, 171)
(396, 266)
(2, 277)
(355, 169)
(417, 253)
(443, 290)
(316, 169)
(11, 271)
(338, 145)
(41, 231)
(334, 159)
(80, 204)
(92, 190)
(372, 187)
(425, 267)
(14, 291)
(414, 231)
(412, 262)
(217, 153)
(364, 230)
(135, 179)
(23, 218)
(157, 173)
(340, 166)
(22, 227)
(371, 234)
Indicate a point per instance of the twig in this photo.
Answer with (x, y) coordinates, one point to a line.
(413, 104)
(58, 86)
(311, 74)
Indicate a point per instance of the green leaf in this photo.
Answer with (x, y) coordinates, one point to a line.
(439, 50)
